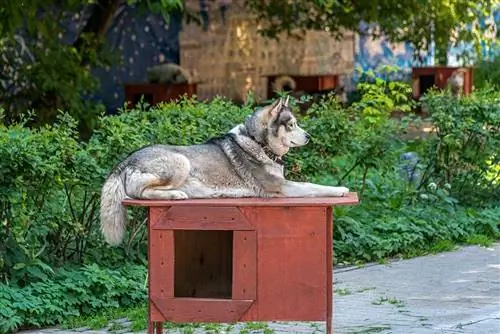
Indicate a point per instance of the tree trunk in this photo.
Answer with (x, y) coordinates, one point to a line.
(97, 24)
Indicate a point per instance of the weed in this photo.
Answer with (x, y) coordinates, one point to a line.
(342, 292)
(386, 300)
(479, 239)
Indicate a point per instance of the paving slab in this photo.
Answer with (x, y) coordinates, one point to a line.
(452, 292)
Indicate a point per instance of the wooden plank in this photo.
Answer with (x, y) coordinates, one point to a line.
(161, 259)
(351, 198)
(201, 218)
(202, 310)
(245, 265)
(291, 257)
(329, 270)
(155, 315)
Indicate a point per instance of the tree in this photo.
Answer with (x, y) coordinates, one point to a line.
(420, 22)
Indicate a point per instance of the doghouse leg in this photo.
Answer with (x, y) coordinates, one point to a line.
(150, 327)
(329, 270)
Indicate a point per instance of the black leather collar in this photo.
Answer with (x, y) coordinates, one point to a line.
(271, 154)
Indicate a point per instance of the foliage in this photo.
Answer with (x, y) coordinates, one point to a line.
(487, 73)
(49, 77)
(26, 14)
(70, 293)
(365, 129)
(43, 71)
(422, 23)
(464, 152)
(391, 221)
(48, 199)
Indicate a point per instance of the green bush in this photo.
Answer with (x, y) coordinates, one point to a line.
(464, 151)
(487, 73)
(392, 220)
(74, 292)
(363, 133)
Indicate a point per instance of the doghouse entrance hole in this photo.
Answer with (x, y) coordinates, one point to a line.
(203, 264)
(426, 82)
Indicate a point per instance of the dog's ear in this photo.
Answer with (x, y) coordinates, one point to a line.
(276, 107)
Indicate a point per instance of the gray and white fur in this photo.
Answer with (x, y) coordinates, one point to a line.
(246, 162)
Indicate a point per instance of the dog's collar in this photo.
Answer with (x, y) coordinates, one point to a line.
(267, 150)
(271, 155)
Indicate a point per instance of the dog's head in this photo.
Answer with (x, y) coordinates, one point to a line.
(276, 127)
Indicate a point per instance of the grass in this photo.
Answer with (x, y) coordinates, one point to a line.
(252, 326)
(439, 246)
(342, 292)
(480, 240)
(388, 300)
(442, 246)
(138, 318)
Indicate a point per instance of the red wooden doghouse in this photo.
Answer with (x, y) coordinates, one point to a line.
(156, 93)
(423, 78)
(245, 259)
(305, 83)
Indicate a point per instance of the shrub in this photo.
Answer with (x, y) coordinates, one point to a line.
(487, 73)
(464, 152)
(71, 292)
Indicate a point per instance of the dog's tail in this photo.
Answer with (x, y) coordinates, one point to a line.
(113, 213)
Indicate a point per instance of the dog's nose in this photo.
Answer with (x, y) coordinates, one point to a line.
(308, 136)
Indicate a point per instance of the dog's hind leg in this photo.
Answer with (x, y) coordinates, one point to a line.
(160, 193)
(160, 180)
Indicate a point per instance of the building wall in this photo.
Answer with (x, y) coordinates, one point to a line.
(231, 59)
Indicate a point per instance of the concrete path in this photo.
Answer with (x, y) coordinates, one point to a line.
(454, 292)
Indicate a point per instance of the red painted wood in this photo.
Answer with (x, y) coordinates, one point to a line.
(201, 218)
(351, 198)
(155, 315)
(245, 265)
(329, 270)
(201, 310)
(150, 324)
(442, 74)
(156, 93)
(290, 264)
(161, 258)
(305, 83)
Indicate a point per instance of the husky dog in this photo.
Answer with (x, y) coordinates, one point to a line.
(246, 162)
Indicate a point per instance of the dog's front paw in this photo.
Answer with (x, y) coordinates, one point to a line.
(344, 191)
